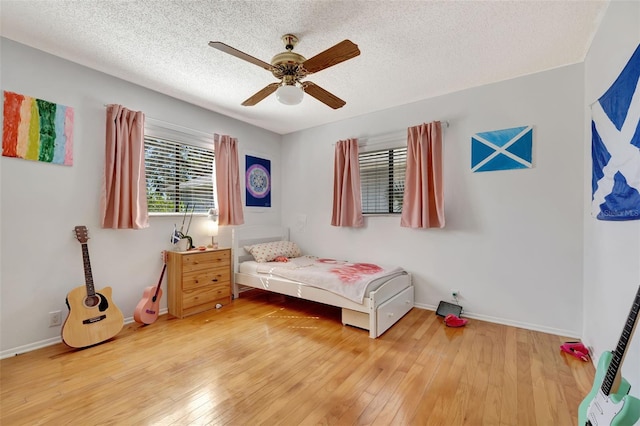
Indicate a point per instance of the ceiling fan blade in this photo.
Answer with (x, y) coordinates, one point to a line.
(260, 95)
(238, 54)
(322, 95)
(332, 56)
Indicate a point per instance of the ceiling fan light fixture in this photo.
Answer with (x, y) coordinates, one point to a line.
(289, 94)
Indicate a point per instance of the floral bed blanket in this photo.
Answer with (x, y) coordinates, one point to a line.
(348, 279)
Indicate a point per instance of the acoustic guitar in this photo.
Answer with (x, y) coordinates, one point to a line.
(609, 403)
(146, 311)
(93, 317)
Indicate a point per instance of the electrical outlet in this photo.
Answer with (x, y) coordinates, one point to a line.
(55, 318)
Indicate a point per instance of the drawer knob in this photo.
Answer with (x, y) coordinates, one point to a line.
(215, 280)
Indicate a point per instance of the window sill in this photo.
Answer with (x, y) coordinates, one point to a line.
(381, 214)
(176, 214)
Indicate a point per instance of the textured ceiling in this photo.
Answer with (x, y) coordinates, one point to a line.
(411, 50)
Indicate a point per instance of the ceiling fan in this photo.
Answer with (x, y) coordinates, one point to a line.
(290, 68)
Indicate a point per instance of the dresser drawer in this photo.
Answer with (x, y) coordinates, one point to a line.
(191, 298)
(198, 261)
(206, 277)
(394, 308)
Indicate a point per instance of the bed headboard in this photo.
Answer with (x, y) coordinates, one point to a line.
(249, 235)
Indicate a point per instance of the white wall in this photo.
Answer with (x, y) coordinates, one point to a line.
(612, 249)
(41, 203)
(512, 244)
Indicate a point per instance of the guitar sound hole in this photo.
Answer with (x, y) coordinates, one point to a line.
(91, 301)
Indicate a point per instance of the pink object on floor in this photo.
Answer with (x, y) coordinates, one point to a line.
(576, 349)
(454, 321)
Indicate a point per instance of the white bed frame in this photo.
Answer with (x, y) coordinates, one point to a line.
(378, 312)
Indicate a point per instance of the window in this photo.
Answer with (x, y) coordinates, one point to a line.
(178, 174)
(382, 180)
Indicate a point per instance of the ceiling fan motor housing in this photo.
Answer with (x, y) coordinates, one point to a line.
(288, 63)
(287, 58)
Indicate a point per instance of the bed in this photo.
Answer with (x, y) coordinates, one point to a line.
(384, 303)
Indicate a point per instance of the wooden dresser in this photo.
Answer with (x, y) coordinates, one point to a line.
(198, 280)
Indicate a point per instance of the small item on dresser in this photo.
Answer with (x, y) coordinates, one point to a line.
(202, 248)
(189, 242)
(182, 245)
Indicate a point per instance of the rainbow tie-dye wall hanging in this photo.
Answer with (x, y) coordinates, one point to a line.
(37, 130)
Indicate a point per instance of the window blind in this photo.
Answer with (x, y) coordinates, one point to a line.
(178, 175)
(382, 175)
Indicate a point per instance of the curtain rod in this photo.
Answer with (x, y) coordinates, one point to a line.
(145, 115)
(387, 137)
(165, 125)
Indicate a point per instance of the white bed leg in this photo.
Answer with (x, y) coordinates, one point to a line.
(236, 292)
(373, 319)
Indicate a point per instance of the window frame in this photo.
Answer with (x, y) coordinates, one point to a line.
(184, 137)
(388, 144)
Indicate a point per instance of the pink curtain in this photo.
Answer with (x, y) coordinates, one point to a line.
(228, 180)
(347, 199)
(124, 194)
(423, 202)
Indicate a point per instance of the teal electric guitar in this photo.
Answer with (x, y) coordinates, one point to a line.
(609, 403)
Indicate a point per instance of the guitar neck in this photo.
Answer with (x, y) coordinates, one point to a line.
(619, 353)
(88, 277)
(164, 268)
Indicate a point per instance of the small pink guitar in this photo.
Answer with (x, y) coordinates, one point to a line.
(146, 311)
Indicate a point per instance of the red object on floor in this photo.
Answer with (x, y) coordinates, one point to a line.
(576, 349)
(454, 321)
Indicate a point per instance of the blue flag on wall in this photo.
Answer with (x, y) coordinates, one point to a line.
(502, 149)
(615, 147)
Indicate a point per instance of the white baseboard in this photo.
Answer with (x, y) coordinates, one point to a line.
(30, 347)
(527, 326)
(52, 341)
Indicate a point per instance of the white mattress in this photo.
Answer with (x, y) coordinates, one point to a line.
(250, 267)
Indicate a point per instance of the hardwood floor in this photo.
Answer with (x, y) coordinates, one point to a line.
(267, 359)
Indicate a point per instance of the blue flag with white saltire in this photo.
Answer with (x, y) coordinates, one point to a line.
(615, 147)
